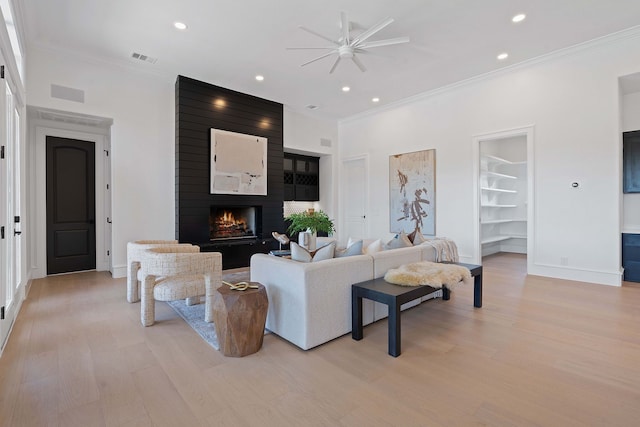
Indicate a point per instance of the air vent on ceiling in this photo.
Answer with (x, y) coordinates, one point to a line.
(312, 107)
(145, 58)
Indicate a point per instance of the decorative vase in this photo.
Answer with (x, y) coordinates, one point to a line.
(307, 240)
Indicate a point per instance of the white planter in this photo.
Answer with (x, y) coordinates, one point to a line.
(307, 240)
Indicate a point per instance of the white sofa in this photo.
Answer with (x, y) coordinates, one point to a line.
(310, 303)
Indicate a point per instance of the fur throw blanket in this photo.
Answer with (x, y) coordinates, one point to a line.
(428, 273)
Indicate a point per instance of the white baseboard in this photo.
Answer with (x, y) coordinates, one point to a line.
(119, 271)
(610, 278)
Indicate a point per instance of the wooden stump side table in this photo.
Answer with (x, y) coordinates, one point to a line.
(239, 318)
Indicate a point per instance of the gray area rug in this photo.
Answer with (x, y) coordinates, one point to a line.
(194, 314)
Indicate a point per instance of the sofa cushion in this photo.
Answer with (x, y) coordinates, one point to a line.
(298, 253)
(355, 248)
(399, 241)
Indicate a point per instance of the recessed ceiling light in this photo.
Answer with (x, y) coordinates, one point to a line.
(375, 99)
(519, 17)
(346, 88)
(503, 56)
(259, 78)
(180, 25)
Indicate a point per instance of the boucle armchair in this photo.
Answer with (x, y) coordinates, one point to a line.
(134, 256)
(174, 273)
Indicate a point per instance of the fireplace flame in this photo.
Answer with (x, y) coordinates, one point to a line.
(225, 224)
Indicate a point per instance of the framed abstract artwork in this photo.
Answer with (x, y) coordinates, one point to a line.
(412, 192)
(238, 163)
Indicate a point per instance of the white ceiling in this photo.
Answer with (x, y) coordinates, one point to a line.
(228, 42)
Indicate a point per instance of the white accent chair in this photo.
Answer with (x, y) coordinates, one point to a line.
(134, 256)
(175, 273)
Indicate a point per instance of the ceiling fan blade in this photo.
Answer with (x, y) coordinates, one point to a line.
(358, 63)
(344, 23)
(386, 42)
(319, 35)
(335, 64)
(317, 59)
(304, 47)
(371, 31)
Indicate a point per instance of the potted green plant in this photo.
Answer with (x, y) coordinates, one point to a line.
(308, 224)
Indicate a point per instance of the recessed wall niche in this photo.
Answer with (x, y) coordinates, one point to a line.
(201, 106)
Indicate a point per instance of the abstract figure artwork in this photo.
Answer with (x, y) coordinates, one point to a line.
(238, 163)
(412, 192)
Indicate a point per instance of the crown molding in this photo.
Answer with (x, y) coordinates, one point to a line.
(629, 33)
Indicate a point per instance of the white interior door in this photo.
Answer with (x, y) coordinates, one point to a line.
(355, 198)
(9, 169)
(5, 261)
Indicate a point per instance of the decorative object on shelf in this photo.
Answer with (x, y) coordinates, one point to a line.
(281, 238)
(238, 163)
(412, 192)
(307, 224)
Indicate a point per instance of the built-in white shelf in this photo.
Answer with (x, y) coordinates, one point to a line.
(496, 159)
(499, 190)
(502, 221)
(494, 239)
(500, 175)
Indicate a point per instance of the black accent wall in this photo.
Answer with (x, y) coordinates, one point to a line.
(199, 107)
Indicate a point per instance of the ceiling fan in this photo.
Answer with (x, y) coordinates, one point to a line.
(347, 47)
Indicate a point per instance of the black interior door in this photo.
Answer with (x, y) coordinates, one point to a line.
(71, 205)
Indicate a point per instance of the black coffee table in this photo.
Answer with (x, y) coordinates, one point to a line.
(394, 296)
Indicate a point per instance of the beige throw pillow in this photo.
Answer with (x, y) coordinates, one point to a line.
(400, 241)
(418, 238)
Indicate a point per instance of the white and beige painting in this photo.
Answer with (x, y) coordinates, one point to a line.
(238, 163)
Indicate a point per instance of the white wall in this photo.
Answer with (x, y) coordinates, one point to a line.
(631, 201)
(142, 139)
(304, 134)
(572, 100)
(143, 142)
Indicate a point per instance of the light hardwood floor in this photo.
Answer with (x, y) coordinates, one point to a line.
(539, 352)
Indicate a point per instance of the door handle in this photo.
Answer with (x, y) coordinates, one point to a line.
(17, 233)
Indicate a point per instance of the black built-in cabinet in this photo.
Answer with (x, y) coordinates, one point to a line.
(631, 162)
(301, 178)
(631, 257)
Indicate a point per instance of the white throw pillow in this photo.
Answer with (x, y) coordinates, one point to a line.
(355, 248)
(373, 247)
(298, 253)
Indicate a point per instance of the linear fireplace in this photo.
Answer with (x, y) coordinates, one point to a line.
(233, 222)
